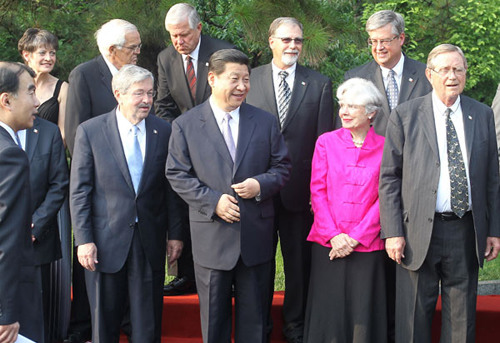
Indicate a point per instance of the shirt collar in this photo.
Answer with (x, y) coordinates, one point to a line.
(9, 130)
(440, 107)
(398, 68)
(125, 126)
(194, 54)
(113, 70)
(290, 70)
(220, 113)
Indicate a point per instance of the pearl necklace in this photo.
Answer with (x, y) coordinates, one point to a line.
(358, 143)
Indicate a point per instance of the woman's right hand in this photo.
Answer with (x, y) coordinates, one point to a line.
(342, 246)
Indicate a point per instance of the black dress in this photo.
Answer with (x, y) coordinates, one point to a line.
(49, 110)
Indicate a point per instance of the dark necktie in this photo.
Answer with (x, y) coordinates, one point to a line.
(228, 136)
(392, 90)
(456, 167)
(191, 77)
(134, 158)
(284, 95)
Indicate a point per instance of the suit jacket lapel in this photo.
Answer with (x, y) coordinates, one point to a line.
(32, 140)
(151, 143)
(208, 124)
(407, 86)
(469, 123)
(112, 135)
(246, 129)
(376, 77)
(426, 117)
(202, 72)
(267, 85)
(299, 90)
(106, 76)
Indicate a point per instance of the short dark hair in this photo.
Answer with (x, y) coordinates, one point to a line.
(219, 59)
(33, 39)
(9, 76)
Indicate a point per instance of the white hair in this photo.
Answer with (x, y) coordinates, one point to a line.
(113, 33)
(178, 13)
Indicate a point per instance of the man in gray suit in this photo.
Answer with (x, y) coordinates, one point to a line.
(308, 114)
(182, 84)
(121, 206)
(387, 36)
(20, 294)
(439, 208)
(227, 160)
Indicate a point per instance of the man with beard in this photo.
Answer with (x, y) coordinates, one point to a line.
(121, 206)
(301, 100)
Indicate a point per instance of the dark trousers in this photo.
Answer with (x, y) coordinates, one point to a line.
(250, 297)
(137, 285)
(292, 229)
(30, 314)
(451, 261)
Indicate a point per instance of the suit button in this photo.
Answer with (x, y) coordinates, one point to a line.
(430, 220)
(437, 164)
(132, 225)
(434, 191)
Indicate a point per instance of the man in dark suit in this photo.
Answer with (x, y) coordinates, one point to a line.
(308, 115)
(386, 30)
(90, 95)
(20, 294)
(177, 93)
(121, 206)
(439, 206)
(49, 186)
(227, 160)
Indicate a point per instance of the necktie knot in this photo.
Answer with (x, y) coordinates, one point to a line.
(135, 130)
(283, 74)
(448, 113)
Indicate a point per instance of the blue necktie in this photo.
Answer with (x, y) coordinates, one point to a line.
(134, 158)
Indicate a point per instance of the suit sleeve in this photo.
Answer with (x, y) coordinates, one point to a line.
(182, 177)
(58, 186)
(81, 188)
(78, 106)
(390, 182)
(279, 165)
(14, 170)
(326, 115)
(165, 106)
(493, 187)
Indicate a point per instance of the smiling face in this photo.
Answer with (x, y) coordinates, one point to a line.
(386, 54)
(42, 60)
(183, 37)
(230, 88)
(286, 54)
(136, 103)
(447, 87)
(354, 117)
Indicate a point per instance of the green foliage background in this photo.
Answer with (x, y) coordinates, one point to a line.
(334, 30)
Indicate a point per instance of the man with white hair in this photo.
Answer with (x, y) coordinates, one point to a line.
(182, 84)
(90, 95)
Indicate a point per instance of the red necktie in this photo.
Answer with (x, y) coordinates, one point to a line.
(191, 77)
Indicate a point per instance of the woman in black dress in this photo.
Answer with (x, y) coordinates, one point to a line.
(38, 49)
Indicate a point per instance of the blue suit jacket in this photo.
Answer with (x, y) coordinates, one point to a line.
(200, 170)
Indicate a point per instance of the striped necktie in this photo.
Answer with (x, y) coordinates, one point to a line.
(284, 95)
(191, 77)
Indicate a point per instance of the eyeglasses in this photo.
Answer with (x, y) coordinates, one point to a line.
(445, 71)
(288, 40)
(132, 47)
(383, 42)
(140, 94)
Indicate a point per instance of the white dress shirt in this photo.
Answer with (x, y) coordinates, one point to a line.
(234, 123)
(126, 133)
(194, 57)
(398, 73)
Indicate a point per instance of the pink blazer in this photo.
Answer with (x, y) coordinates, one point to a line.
(344, 189)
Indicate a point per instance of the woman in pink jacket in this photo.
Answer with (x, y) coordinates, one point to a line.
(347, 301)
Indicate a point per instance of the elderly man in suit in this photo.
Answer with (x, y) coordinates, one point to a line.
(121, 206)
(90, 95)
(182, 84)
(394, 74)
(49, 187)
(227, 160)
(439, 206)
(304, 114)
(20, 294)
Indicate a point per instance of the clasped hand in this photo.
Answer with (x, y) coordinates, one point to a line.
(342, 246)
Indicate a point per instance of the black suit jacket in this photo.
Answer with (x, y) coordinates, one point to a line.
(414, 84)
(174, 96)
(200, 170)
(49, 187)
(310, 114)
(409, 176)
(16, 250)
(89, 95)
(103, 203)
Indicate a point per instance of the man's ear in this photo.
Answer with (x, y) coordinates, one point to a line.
(5, 100)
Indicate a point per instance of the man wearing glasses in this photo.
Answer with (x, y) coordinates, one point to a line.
(394, 74)
(301, 99)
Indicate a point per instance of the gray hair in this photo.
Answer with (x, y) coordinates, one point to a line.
(442, 49)
(382, 18)
(178, 13)
(113, 33)
(362, 92)
(282, 21)
(219, 59)
(127, 76)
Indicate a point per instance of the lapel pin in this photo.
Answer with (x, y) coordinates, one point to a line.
(470, 117)
(410, 79)
(35, 130)
(206, 64)
(155, 132)
(303, 83)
